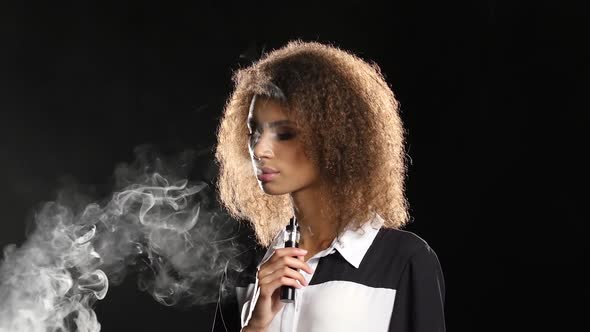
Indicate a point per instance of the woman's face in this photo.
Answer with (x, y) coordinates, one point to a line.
(277, 154)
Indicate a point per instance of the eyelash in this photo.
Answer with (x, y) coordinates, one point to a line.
(282, 137)
(285, 136)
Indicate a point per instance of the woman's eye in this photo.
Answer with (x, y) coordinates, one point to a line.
(285, 136)
(280, 136)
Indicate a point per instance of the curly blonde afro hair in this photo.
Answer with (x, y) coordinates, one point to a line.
(351, 127)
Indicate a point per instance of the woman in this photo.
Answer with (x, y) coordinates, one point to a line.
(313, 132)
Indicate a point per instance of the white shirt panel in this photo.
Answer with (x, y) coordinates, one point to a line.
(343, 306)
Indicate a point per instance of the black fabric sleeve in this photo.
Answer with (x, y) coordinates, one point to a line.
(419, 298)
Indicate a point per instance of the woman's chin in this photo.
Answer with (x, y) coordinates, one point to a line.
(269, 189)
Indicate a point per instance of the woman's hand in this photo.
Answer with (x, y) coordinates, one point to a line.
(280, 270)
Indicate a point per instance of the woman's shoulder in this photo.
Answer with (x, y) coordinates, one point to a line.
(402, 244)
(395, 253)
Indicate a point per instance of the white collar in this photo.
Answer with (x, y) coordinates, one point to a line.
(352, 245)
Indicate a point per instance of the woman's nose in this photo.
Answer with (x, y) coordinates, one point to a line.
(262, 147)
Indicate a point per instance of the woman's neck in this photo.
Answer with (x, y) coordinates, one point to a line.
(318, 228)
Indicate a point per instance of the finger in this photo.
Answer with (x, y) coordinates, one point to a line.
(284, 272)
(289, 251)
(298, 263)
(293, 274)
(285, 281)
(271, 266)
(269, 288)
(291, 262)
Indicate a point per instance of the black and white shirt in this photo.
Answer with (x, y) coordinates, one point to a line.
(375, 279)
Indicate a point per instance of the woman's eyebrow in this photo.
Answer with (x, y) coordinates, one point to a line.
(279, 123)
(274, 124)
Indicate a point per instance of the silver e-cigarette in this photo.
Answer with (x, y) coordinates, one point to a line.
(291, 241)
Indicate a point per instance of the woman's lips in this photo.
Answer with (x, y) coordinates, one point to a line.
(265, 177)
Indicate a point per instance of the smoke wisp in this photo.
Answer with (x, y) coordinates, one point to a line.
(156, 223)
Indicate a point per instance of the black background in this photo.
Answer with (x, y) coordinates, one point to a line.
(491, 93)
